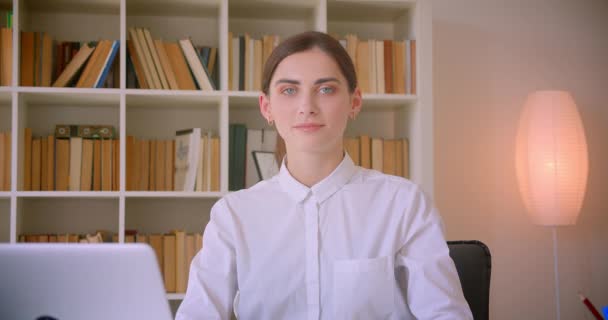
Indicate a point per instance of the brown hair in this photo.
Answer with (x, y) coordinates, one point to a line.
(305, 41)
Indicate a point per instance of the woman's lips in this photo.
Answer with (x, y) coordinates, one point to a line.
(308, 127)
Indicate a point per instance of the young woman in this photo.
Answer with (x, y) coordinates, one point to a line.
(323, 239)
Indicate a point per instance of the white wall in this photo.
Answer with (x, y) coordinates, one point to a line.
(488, 55)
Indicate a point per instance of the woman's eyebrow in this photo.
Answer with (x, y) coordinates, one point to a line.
(319, 81)
(286, 81)
(323, 80)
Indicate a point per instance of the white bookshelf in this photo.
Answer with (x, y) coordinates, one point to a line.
(159, 113)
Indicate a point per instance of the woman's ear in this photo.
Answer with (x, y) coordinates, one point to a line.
(356, 102)
(265, 106)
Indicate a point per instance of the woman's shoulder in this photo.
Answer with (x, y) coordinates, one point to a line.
(371, 178)
(253, 193)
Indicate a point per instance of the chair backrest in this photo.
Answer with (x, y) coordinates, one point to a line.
(474, 265)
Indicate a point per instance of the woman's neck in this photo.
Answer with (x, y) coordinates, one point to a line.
(310, 168)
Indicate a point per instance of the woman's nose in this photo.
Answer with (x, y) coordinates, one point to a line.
(307, 105)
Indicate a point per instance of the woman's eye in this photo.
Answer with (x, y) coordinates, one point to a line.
(288, 91)
(326, 90)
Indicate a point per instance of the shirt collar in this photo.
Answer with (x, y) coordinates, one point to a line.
(324, 188)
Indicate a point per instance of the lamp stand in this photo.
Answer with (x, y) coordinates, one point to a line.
(556, 271)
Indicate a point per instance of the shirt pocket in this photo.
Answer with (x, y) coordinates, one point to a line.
(363, 288)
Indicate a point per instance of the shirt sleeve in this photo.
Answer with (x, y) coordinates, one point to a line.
(426, 273)
(212, 281)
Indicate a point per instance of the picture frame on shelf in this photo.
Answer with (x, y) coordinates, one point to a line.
(265, 164)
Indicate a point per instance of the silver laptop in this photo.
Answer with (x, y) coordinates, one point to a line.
(81, 281)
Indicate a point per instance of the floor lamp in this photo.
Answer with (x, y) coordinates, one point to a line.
(551, 163)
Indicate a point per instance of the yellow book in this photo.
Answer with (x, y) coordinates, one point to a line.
(36, 151)
(181, 281)
(106, 165)
(215, 164)
(27, 161)
(388, 158)
(86, 173)
(156, 242)
(62, 179)
(351, 145)
(169, 262)
(377, 154)
(50, 162)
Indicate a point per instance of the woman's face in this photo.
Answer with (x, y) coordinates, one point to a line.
(309, 102)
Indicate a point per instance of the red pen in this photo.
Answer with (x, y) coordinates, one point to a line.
(590, 306)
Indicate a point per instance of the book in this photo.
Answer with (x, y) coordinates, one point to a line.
(6, 56)
(377, 154)
(363, 66)
(180, 67)
(166, 65)
(62, 161)
(26, 70)
(214, 170)
(141, 57)
(50, 163)
(201, 74)
(155, 60)
(148, 61)
(181, 281)
(388, 157)
(27, 160)
(169, 164)
(130, 147)
(7, 161)
(399, 67)
(106, 165)
(43, 168)
(94, 64)
(156, 242)
(76, 64)
(75, 163)
(187, 144)
(169, 262)
(365, 152)
(352, 147)
(2, 162)
(86, 173)
(36, 151)
(96, 165)
(138, 68)
(107, 65)
(46, 63)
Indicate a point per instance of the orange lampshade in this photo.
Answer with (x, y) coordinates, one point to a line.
(551, 158)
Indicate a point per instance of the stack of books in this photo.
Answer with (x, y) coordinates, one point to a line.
(157, 64)
(76, 158)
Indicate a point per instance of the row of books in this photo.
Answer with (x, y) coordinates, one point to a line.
(6, 51)
(383, 66)
(190, 162)
(75, 163)
(243, 141)
(247, 57)
(390, 156)
(6, 56)
(174, 250)
(5, 161)
(158, 64)
(97, 237)
(45, 63)
(86, 64)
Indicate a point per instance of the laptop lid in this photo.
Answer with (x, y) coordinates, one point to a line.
(81, 281)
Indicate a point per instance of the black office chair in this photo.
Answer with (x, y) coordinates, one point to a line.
(474, 265)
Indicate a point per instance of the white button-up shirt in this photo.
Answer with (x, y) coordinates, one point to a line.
(357, 245)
